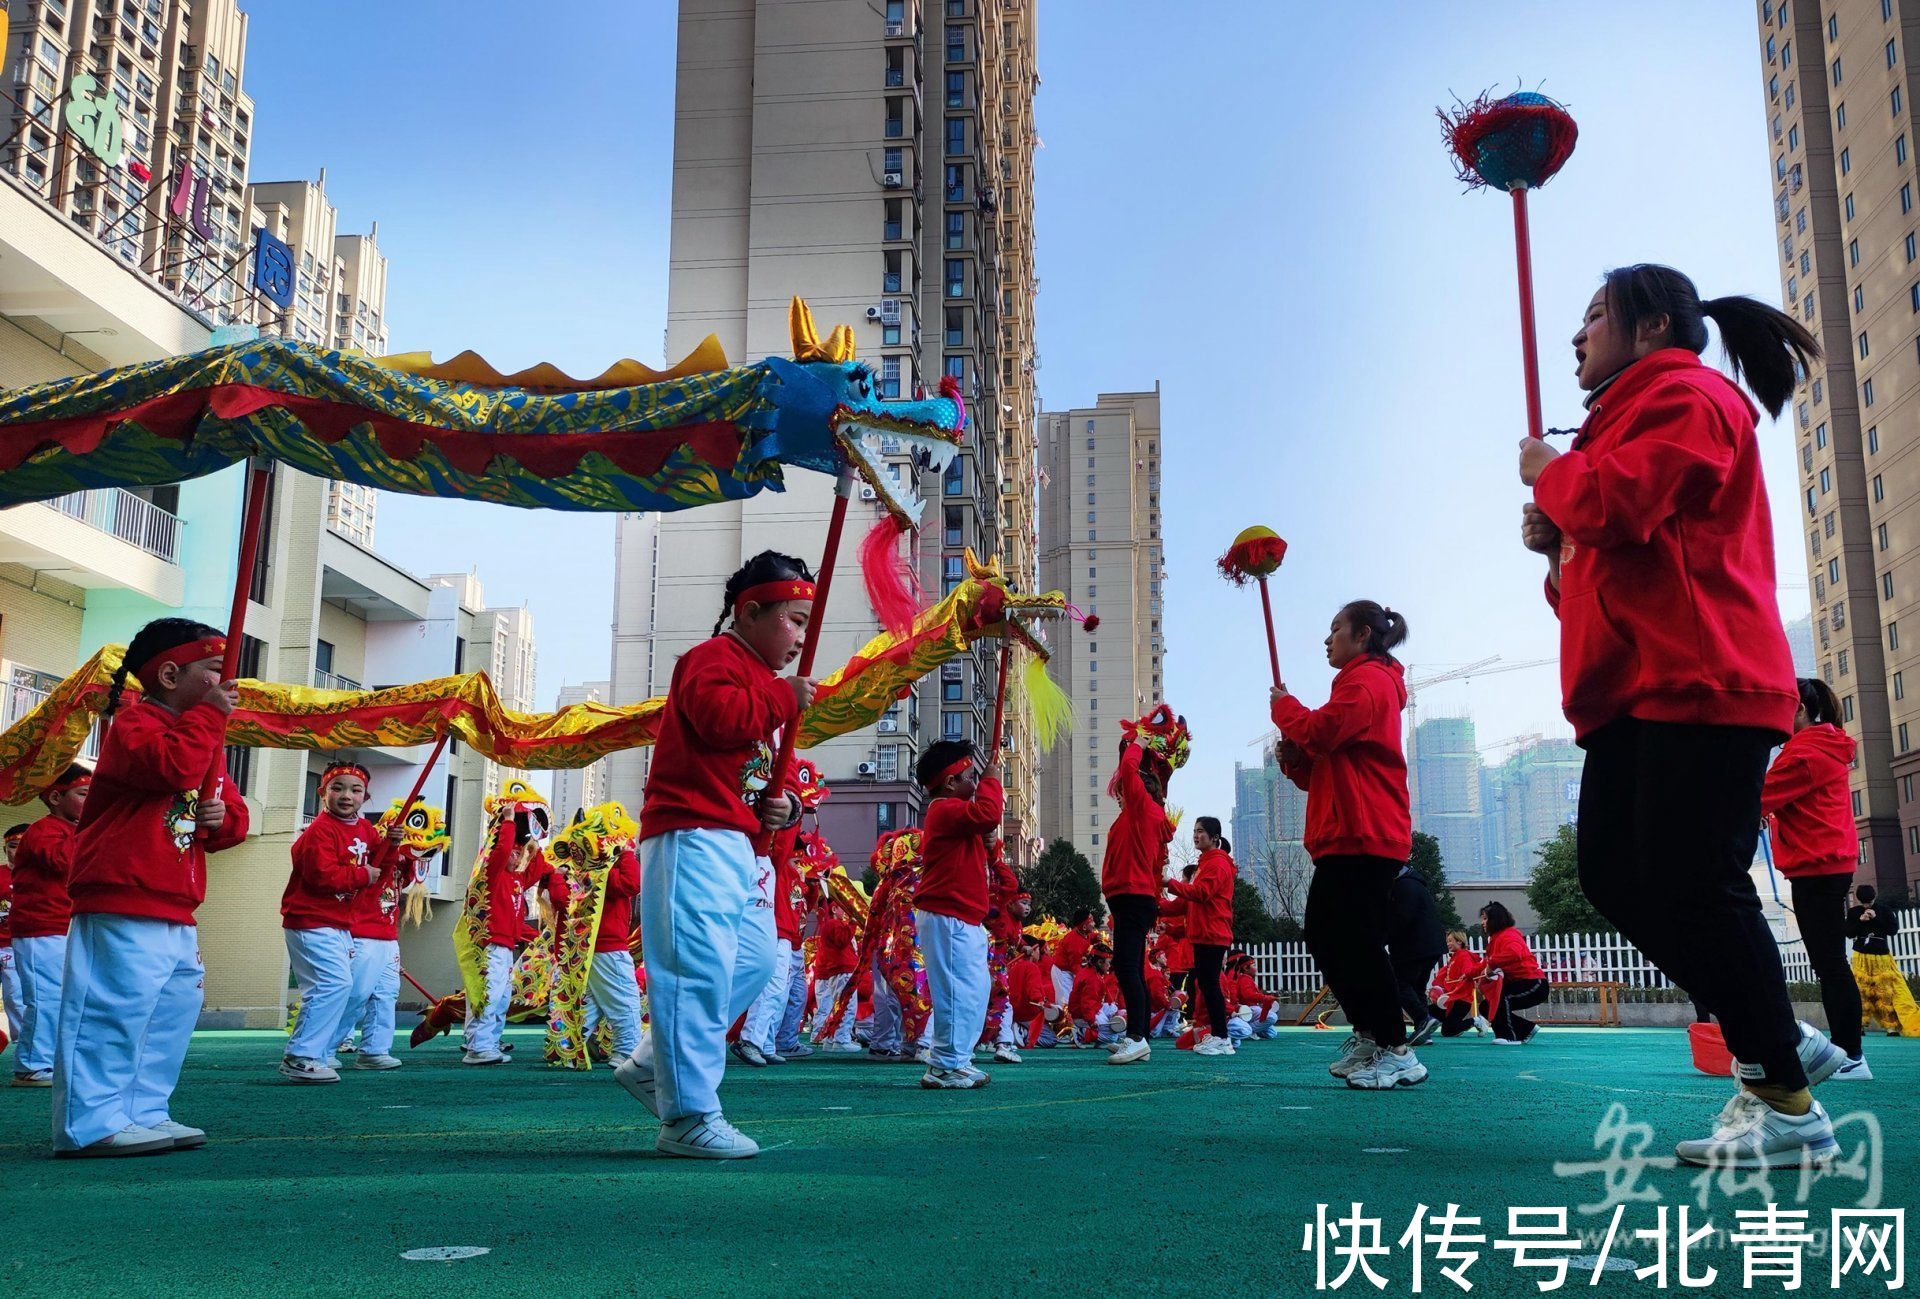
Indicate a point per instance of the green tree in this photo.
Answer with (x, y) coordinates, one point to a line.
(1432, 871)
(1063, 884)
(1252, 923)
(1554, 892)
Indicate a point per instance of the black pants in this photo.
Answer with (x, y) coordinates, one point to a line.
(1412, 976)
(1133, 917)
(1669, 820)
(1517, 995)
(1347, 934)
(1820, 905)
(1206, 973)
(1457, 1019)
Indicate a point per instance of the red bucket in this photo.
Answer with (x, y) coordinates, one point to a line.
(1710, 1054)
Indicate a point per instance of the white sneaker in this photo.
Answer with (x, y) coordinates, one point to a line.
(33, 1078)
(1481, 1026)
(1854, 1070)
(935, 1079)
(924, 1055)
(1508, 1041)
(800, 1052)
(1749, 1133)
(1212, 1045)
(307, 1071)
(1133, 1048)
(747, 1053)
(1387, 1070)
(705, 1136)
(840, 1048)
(184, 1137)
(635, 1073)
(346, 1048)
(130, 1140)
(1006, 1054)
(1819, 1058)
(364, 1061)
(483, 1057)
(1355, 1053)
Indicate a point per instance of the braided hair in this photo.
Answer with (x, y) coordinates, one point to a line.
(767, 566)
(157, 637)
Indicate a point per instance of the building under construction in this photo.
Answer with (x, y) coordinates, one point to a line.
(1446, 792)
(1527, 799)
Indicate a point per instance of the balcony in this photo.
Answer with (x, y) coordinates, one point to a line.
(106, 538)
(333, 681)
(20, 698)
(133, 519)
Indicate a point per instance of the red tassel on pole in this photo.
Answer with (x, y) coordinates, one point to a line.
(809, 647)
(893, 587)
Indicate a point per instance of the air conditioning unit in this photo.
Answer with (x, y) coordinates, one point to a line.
(896, 29)
(888, 726)
(867, 769)
(873, 313)
(889, 311)
(892, 180)
(868, 494)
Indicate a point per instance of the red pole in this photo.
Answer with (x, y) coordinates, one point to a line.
(1273, 649)
(257, 478)
(416, 983)
(842, 493)
(1529, 345)
(1000, 700)
(413, 796)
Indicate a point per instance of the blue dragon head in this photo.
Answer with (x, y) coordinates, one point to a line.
(828, 415)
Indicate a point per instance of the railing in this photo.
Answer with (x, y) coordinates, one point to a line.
(133, 519)
(1289, 969)
(329, 681)
(18, 700)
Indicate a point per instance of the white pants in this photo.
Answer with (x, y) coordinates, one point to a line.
(770, 1006)
(1110, 1025)
(957, 982)
(10, 990)
(322, 961)
(1266, 1023)
(133, 991)
(1004, 1037)
(613, 995)
(484, 1030)
(1062, 986)
(787, 1032)
(825, 992)
(883, 1029)
(376, 985)
(40, 964)
(706, 926)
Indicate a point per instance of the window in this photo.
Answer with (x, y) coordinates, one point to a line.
(1880, 536)
(1826, 481)
(1856, 802)
(1839, 119)
(953, 726)
(1820, 432)
(956, 229)
(1833, 27)
(954, 483)
(1800, 227)
(1789, 94)
(956, 277)
(1772, 50)
(1833, 571)
(1893, 55)
(1786, 55)
(896, 118)
(1873, 439)
(1848, 206)
(1806, 264)
(1861, 344)
(1900, 692)
(1866, 393)
(890, 335)
(1853, 252)
(891, 226)
(1912, 251)
(1846, 161)
(956, 45)
(1773, 88)
(1793, 137)
(956, 90)
(1837, 75)
(883, 817)
(1846, 709)
(956, 183)
(1893, 635)
(1812, 504)
(956, 135)
(890, 376)
(1886, 586)
(1829, 523)
(1843, 663)
(1879, 492)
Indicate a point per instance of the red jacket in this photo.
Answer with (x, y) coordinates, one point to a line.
(330, 862)
(1667, 600)
(376, 909)
(1069, 951)
(616, 909)
(6, 904)
(1454, 981)
(1135, 857)
(833, 947)
(1209, 900)
(1808, 798)
(953, 880)
(1174, 941)
(1159, 990)
(1508, 952)
(1248, 992)
(723, 706)
(506, 889)
(137, 853)
(41, 865)
(1029, 987)
(1351, 764)
(1003, 886)
(1089, 994)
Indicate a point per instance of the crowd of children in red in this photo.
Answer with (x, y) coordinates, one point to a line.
(1676, 678)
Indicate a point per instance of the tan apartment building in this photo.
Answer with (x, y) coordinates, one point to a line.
(1841, 128)
(1100, 543)
(875, 159)
(170, 74)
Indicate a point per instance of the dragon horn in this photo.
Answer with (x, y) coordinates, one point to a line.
(806, 338)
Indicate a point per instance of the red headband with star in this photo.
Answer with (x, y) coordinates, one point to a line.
(791, 588)
(208, 647)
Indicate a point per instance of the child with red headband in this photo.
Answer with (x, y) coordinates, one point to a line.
(706, 905)
(375, 926)
(41, 865)
(133, 982)
(950, 909)
(334, 859)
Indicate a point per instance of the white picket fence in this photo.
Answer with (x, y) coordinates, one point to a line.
(1288, 969)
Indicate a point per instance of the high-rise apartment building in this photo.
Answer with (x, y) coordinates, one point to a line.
(170, 76)
(1100, 543)
(1841, 127)
(1268, 834)
(875, 159)
(582, 786)
(1446, 786)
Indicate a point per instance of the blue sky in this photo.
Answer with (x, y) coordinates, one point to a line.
(1247, 203)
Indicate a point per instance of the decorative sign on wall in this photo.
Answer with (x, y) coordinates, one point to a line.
(94, 120)
(190, 193)
(273, 268)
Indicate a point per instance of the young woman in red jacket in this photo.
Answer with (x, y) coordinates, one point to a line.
(1675, 672)
(1206, 903)
(40, 914)
(1816, 846)
(1523, 984)
(133, 975)
(706, 906)
(1131, 868)
(1359, 833)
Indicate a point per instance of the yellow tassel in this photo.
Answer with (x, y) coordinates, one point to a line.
(1052, 709)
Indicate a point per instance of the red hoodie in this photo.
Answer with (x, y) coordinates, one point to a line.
(6, 904)
(1069, 950)
(41, 865)
(1508, 952)
(1088, 995)
(723, 705)
(330, 862)
(1159, 990)
(1030, 988)
(376, 909)
(833, 949)
(1667, 600)
(1808, 798)
(1135, 857)
(616, 909)
(1351, 764)
(1174, 942)
(1248, 992)
(137, 853)
(507, 888)
(953, 880)
(1208, 899)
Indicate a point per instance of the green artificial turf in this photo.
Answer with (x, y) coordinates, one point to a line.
(1180, 1175)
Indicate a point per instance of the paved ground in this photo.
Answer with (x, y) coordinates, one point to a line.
(1178, 1176)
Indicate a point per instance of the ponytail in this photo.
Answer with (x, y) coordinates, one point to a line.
(767, 566)
(157, 637)
(1817, 697)
(1766, 348)
(1385, 628)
